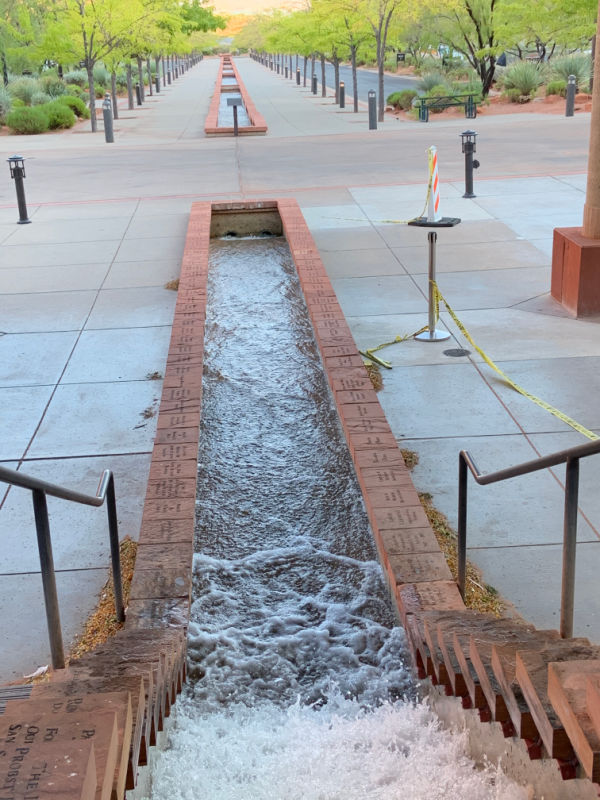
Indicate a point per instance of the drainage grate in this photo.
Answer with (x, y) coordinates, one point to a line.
(456, 352)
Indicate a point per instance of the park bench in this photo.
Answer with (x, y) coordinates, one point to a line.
(427, 104)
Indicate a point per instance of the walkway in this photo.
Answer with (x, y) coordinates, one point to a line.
(86, 318)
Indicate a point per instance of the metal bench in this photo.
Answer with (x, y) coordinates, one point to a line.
(427, 104)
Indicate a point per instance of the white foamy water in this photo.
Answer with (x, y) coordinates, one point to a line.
(338, 751)
(300, 686)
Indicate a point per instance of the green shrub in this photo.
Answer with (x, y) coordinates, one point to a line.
(73, 90)
(558, 87)
(52, 85)
(121, 80)
(40, 98)
(76, 76)
(526, 76)
(24, 88)
(101, 74)
(474, 87)
(403, 99)
(28, 120)
(59, 115)
(5, 103)
(515, 96)
(99, 91)
(577, 64)
(432, 79)
(17, 102)
(442, 90)
(76, 104)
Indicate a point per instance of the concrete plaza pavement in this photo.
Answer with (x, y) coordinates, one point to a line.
(86, 320)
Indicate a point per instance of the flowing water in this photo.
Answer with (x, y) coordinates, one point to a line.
(299, 684)
(225, 118)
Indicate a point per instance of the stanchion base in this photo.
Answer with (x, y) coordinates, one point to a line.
(444, 222)
(435, 335)
(23, 222)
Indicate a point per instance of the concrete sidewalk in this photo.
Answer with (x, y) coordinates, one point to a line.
(86, 321)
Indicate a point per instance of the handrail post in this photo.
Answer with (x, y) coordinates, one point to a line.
(462, 525)
(113, 531)
(40, 510)
(569, 548)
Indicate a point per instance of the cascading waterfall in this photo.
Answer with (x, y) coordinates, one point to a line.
(299, 681)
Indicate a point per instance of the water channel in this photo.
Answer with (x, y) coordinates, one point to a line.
(299, 681)
(225, 118)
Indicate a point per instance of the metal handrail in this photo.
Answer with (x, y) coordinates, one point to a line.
(39, 489)
(570, 457)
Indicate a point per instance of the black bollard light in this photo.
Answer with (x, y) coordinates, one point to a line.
(571, 92)
(17, 173)
(469, 147)
(157, 84)
(342, 94)
(372, 110)
(314, 83)
(298, 77)
(169, 77)
(138, 94)
(286, 71)
(109, 136)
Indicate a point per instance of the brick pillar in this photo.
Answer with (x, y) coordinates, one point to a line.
(576, 251)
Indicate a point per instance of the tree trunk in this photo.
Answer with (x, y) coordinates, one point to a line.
(141, 77)
(113, 91)
(312, 68)
(164, 71)
(129, 87)
(157, 64)
(381, 98)
(592, 69)
(323, 86)
(336, 78)
(296, 62)
(354, 78)
(92, 90)
(305, 60)
(4, 70)
(149, 71)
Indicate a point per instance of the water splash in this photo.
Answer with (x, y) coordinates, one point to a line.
(340, 751)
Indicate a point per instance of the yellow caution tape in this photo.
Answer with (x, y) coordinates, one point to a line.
(541, 403)
(439, 297)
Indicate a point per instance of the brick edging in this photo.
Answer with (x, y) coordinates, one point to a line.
(211, 125)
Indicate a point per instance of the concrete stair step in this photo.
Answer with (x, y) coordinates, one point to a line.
(568, 683)
(532, 676)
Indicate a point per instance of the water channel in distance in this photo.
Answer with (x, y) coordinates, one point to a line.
(299, 681)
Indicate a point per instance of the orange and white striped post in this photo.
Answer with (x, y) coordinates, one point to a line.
(434, 214)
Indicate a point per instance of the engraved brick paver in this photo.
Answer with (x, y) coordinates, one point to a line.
(48, 770)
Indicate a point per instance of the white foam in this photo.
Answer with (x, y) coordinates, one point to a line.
(337, 751)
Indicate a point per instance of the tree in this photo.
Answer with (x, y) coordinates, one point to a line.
(470, 27)
(378, 14)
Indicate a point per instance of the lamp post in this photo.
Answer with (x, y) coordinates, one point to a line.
(342, 94)
(17, 173)
(469, 146)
